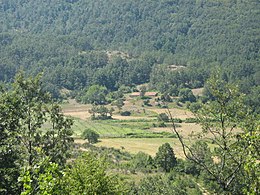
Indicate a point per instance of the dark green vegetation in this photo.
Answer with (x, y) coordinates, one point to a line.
(33, 133)
(90, 135)
(219, 118)
(165, 158)
(68, 40)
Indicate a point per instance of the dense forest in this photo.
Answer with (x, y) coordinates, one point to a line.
(69, 40)
(100, 52)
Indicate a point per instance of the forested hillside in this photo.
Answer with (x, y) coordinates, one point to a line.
(129, 97)
(67, 39)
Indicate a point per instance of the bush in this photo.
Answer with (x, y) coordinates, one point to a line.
(90, 135)
(163, 117)
(142, 162)
(162, 124)
(145, 98)
(87, 175)
(146, 102)
(194, 107)
(164, 106)
(191, 120)
(100, 117)
(186, 95)
(177, 120)
(151, 135)
(125, 113)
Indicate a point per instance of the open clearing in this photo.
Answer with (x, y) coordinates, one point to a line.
(106, 129)
(143, 122)
(175, 112)
(74, 109)
(185, 129)
(135, 145)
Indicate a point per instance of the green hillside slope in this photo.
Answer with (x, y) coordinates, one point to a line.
(36, 34)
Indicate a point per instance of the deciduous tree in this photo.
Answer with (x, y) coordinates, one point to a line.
(26, 115)
(224, 121)
(90, 135)
(87, 175)
(96, 94)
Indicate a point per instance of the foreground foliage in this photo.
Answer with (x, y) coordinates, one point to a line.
(87, 175)
(36, 142)
(231, 127)
(32, 128)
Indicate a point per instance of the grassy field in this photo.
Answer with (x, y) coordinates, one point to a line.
(147, 145)
(119, 128)
(139, 132)
(105, 128)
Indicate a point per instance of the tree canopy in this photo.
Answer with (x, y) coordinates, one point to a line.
(228, 124)
(32, 127)
(81, 43)
(165, 157)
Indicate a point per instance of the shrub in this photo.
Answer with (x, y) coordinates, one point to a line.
(145, 97)
(194, 107)
(87, 175)
(162, 124)
(163, 117)
(177, 120)
(125, 113)
(165, 157)
(143, 162)
(164, 106)
(186, 95)
(191, 120)
(90, 135)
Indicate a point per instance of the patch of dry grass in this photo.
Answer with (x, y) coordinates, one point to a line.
(147, 145)
(185, 129)
(175, 112)
(74, 109)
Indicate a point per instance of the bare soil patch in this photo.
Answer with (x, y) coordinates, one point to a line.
(77, 110)
(78, 114)
(198, 91)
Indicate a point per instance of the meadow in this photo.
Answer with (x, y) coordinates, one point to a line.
(139, 132)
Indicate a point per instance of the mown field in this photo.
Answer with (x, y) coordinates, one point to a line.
(147, 145)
